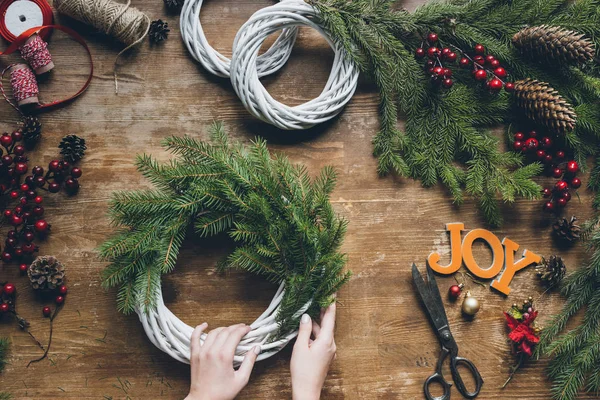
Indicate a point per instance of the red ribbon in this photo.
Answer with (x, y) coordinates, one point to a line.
(40, 30)
(47, 18)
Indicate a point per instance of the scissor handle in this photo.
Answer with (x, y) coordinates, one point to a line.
(439, 378)
(460, 385)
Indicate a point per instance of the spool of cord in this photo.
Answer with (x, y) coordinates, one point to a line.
(17, 16)
(24, 84)
(35, 52)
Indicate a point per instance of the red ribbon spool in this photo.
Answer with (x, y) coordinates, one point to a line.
(47, 18)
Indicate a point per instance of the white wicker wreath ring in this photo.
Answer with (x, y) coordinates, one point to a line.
(195, 40)
(245, 71)
(171, 335)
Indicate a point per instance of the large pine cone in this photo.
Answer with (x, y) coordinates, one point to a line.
(544, 105)
(72, 148)
(554, 42)
(551, 271)
(46, 273)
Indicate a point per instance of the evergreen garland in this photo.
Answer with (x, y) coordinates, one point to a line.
(575, 363)
(446, 138)
(281, 220)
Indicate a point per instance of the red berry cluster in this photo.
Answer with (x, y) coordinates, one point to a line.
(486, 68)
(544, 150)
(27, 215)
(7, 298)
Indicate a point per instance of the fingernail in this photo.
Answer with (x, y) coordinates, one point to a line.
(305, 319)
(256, 349)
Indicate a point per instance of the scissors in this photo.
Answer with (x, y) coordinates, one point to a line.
(430, 294)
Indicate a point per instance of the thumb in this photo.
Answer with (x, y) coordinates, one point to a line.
(248, 364)
(305, 330)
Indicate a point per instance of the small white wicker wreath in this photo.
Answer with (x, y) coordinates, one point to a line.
(171, 335)
(245, 71)
(195, 40)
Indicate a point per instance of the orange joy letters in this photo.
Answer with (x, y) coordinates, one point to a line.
(503, 256)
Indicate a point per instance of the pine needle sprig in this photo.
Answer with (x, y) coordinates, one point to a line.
(222, 187)
(4, 348)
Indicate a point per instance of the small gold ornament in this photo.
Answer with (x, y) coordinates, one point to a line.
(470, 305)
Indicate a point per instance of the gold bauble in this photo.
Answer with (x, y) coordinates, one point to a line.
(470, 305)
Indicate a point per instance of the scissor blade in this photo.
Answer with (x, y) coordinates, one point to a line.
(432, 308)
(435, 293)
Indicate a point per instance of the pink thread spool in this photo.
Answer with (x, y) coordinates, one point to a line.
(35, 53)
(24, 85)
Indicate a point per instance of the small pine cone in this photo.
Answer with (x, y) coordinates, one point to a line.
(551, 271)
(567, 230)
(544, 105)
(72, 148)
(46, 273)
(555, 43)
(32, 130)
(159, 31)
(174, 4)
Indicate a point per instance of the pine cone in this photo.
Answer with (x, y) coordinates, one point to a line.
(544, 105)
(551, 271)
(567, 230)
(72, 148)
(46, 273)
(32, 130)
(159, 31)
(556, 43)
(174, 4)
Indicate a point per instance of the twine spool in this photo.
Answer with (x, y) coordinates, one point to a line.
(24, 84)
(121, 21)
(35, 53)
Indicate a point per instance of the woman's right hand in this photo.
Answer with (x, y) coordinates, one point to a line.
(311, 358)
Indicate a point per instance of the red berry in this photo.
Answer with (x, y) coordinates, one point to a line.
(23, 201)
(518, 145)
(560, 186)
(7, 213)
(546, 142)
(495, 84)
(500, 72)
(432, 37)
(21, 168)
(447, 83)
(489, 59)
(41, 226)
(59, 300)
(24, 188)
(4, 308)
(557, 172)
(38, 211)
(62, 290)
(540, 154)
(561, 202)
(548, 159)
(18, 252)
(6, 140)
(9, 289)
(37, 170)
(72, 184)
(438, 70)
(29, 236)
(495, 64)
(451, 57)
(46, 311)
(433, 52)
(38, 199)
(464, 62)
(566, 195)
(479, 60)
(532, 133)
(54, 166)
(7, 160)
(560, 154)
(572, 167)
(575, 183)
(546, 192)
(447, 72)
(480, 75)
(23, 268)
(454, 291)
(54, 187)
(28, 248)
(532, 144)
(14, 195)
(19, 150)
(509, 87)
(17, 136)
(76, 172)
(420, 52)
(479, 49)
(40, 181)
(549, 206)
(12, 234)
(445, 51)
(519, 136)
(16, 220)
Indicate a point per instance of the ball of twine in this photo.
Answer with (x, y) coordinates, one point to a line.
(127, 24)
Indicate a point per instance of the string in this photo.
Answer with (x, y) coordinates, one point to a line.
(35, 52)
(121, 21)
(23, 82)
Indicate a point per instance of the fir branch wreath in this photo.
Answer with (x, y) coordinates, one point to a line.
(223, 187)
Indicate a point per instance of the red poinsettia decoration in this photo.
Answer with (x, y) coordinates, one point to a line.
(522, 334)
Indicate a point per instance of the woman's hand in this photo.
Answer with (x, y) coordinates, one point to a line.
(213, 376)
(311, 358)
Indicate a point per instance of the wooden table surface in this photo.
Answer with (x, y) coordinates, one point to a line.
(386, 347)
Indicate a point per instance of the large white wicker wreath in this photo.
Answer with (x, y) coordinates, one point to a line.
(171, 335)
(246, 66)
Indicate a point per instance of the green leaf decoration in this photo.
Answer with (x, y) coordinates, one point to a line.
(223, 187)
